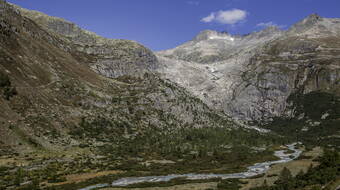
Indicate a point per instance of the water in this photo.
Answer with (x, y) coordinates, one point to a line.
(256, 169)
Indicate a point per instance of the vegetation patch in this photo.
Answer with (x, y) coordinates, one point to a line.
(319, 120)
(6, 88)
(315, 178)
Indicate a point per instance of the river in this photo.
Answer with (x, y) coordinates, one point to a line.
(256, 169)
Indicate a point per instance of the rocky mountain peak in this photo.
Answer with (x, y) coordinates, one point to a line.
(306, 23)
(314, 17)
(271, 29)
(267, 32)
(310, 20)
(225, 36)
(109, 57)
(253, 76)
(211, 35)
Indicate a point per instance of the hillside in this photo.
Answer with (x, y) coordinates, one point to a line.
(78, 109)
(73, 102)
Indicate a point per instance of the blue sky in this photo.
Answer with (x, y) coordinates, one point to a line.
(164, 24)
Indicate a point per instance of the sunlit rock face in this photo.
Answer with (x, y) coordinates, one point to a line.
(47, 71)
(109, 57)
(250, 77)
(212, 46)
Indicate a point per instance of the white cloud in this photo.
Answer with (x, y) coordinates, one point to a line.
(209, 18)
(231, 17)
(268, 24)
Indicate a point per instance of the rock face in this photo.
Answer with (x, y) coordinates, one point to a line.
(109, 57)
(251, 77)
(211, 46)
(51, 64)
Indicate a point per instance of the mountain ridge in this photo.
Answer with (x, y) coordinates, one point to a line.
(102, 52)
(223, 67)
(57, 87)
(74, 104)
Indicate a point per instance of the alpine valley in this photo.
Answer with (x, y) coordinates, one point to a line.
(78, 110)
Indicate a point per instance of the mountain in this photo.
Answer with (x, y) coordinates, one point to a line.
(108, 57)
(251, 77)
(78, 109)
(61, 74)
(73, 102)
(212, 46)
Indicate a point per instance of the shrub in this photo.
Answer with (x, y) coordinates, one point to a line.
(9, 92)
(6, 87)
(4, 80)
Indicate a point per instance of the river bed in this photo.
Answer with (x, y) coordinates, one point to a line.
(254, 170)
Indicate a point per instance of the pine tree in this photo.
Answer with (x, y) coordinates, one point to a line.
(310, 168)
(285, 176)
(300, 174)
(19, 175)
(265, 184)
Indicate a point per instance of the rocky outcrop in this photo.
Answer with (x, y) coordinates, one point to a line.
(298, 67)
(251, 77)
(56, 92)
(211, 46)
(109, 57)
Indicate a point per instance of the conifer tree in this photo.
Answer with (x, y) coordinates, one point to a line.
(285, 176)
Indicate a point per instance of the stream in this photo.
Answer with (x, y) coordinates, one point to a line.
(256, 169)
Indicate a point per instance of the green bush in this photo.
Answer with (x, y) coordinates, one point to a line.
(6, 87)
(229, 184)
(4, 80)
(9, 92)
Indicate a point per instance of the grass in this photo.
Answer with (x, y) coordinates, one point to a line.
(334, 184)
(77, 178)
(188, 186)
(294, 166)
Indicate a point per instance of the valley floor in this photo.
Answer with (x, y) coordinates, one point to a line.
(295, 167)
(307, 158)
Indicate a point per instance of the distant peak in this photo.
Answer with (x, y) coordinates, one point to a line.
(314, 16)
(311, 19)
(212, 34)
(205, 33)
(272, 29)
(267, 32)
(225, 32)
(306, 23)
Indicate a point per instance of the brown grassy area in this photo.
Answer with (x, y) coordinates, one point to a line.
(195, 186)
(6, 161)
(294, 166)
(26, 159)
(76, 178)
(334, 185)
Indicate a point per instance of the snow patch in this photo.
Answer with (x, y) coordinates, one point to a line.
(216, 37)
